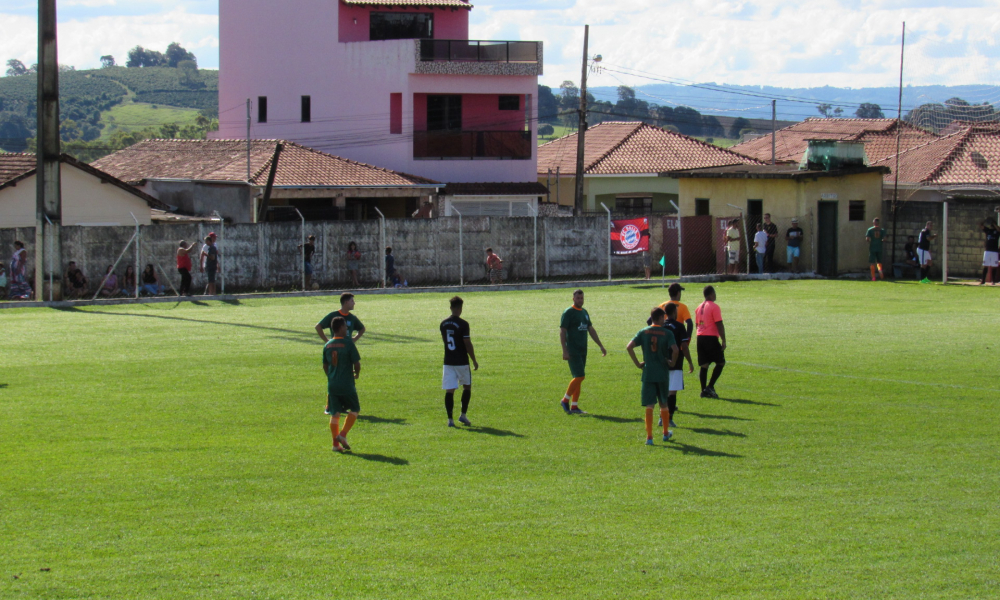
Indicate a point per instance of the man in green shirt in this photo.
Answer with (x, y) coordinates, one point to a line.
(875, 236)
(574, 327)
(342, 365)
(659, 351)
(353, 323)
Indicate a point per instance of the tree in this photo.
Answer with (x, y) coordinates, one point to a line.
(687, 120)
(711, 127)
(837, 112)
(626, 94)
(16, 68)
(545, 129)
(824, 109)
(176, 54)
(189, 73)
(868, 110)
(107, 61)
(15, 130)
(66, 68)
(739, 124)
(140, 57)
(548, 105)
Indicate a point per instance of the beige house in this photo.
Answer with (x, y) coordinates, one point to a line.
(89, 196)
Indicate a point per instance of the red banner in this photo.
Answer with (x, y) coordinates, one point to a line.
(630, 236)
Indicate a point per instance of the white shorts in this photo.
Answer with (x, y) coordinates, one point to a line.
(676, 380)
(923, 256)
(734, 256)
(991, 259)
(454, 376)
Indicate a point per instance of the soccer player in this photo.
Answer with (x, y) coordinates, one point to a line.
(574, 327)
(924, 251)
(659, 350)
(342, 365)
(683, 314)
(874, 237)
(457, 352)
(708, 320)
(683, 339)
(353, 323)
(991, 257)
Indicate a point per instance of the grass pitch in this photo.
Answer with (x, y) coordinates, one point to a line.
(162, 451)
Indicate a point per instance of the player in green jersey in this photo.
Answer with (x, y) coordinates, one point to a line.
(874, 236)
(659, 351)
(574, 327)
(342, 365)
(353, 323)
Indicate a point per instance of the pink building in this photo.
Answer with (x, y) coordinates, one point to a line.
(392, 83)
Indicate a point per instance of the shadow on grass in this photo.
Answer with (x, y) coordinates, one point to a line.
(492, 431)
(742, 401)
(374, 419)
(689, 449)
(709, 431)
(391, 337)
(231, 302)
(392, 460)
(707, 416)
(616, 419)
(3, 385)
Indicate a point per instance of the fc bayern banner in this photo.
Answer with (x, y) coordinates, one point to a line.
(630, 236)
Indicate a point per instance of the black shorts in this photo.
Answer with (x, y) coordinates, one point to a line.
(710, 350)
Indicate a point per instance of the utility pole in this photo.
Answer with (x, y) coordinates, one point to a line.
(899, 133)
(578, 199)
(248, 140)
(774, 128)
(48, 197)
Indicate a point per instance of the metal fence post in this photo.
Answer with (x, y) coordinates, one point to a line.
(381, 267)
(302, 247)
(222, 236)
(461, 253)
(138, 243)
(680, 242)
(534, 262)
(48, 256)
(944, 245)
(608, 233)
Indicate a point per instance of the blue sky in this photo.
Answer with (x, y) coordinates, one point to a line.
(846, 43)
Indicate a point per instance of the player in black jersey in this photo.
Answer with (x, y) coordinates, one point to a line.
(924, 251)
(676, 382)
(991, 256)
(457, 352)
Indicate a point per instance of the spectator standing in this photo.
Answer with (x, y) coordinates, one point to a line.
(874, 237)
(353, 262)
(76, 282)
(772, 236)
(991, 256)
(19, 287)
(793, 239)
(150, 283)
(110, 286)
(3, 282)
(426, 211)
(760, 242)
(393, 277)
(647, 263)
(307, 255)
(924, 251)
(128, 281)
(184, 266)
(731, 243)
(494, 265)
(210, 264)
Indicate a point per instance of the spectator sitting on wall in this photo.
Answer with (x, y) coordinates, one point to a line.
(76, 282)
(110, 287)
(392, 276)
(793, 239)
(128, 281)
(495, 266)
(426, 211)
(760, 245)
(150, 284)
(911, 252)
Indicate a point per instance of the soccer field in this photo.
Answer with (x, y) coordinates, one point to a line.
(181, 451)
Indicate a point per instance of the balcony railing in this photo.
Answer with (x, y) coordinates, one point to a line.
(511, 145)
(478, 51)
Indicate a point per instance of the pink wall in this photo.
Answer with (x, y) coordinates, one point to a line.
(448, 24)
(480, 112)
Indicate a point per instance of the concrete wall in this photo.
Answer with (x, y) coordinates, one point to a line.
(85, 200)
(232, 201)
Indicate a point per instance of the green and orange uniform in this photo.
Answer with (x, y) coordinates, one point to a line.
(576, 322)
(340, 356)
(656, 343)
(353, 323)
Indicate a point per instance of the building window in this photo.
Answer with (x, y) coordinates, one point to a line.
(262, 109)
(856, 210)
(401, 26)
(306, 109)
(701, 207)
(510, 102)
(444, 113)
(396, 113)
(634, 205)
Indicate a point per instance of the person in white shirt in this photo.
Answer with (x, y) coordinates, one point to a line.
(731, 241)
(760, 245)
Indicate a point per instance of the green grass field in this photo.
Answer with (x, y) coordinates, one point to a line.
(180, 451)
(132, 116)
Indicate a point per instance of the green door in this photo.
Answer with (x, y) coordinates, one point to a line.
(826, 239)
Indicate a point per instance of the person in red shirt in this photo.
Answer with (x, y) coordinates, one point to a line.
(184, 266)
(708, 321)
(495, 266)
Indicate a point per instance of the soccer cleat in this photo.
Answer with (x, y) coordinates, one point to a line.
(565, 406)
(649, 442)
(343, 442)
(672, 424)
(465, 420)
(705, 393)
(577, 411)
(451, 422)
(712, 393)
(667, 436)
(925, 280)
(873, 279)
(337, 448)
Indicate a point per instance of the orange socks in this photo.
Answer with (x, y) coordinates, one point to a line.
(665, 416)
(351, 418)
(335, 428)
(649, 422)
(573, 391)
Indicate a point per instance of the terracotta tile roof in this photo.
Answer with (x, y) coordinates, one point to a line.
(970, 156)
(16, 166)
(226, 160)
(411, 3)
(879, 136)
(532, 188)
(614, 148)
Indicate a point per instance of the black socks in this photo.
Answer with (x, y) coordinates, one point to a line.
(466, 396)
(449, 404)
